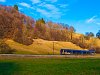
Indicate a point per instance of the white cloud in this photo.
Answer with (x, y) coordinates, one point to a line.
(55, 11)
(94, 20)
(52, 1)
(35, 1)
(91, 20)
(98, 23)
(25, 5)
(42, 4)
(49, 14)
(47, 9)
(20, 8)
(44, 12)
(63, 5)
(51, 7)
(2, 0)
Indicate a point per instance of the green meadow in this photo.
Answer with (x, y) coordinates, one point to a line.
(49, 66)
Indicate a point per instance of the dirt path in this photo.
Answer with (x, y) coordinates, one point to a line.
(46, 56)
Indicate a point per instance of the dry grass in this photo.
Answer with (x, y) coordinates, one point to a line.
(94, 42)
(40, 46)
(98, 42)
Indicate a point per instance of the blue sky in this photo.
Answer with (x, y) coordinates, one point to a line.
(84, 15)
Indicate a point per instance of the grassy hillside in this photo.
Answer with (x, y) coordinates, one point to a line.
(40, 46)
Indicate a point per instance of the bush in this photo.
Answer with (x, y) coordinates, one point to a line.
(80, 43)
(97, 49)
(5, 49)
(27, 41)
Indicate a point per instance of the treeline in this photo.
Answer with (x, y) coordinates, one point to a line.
(23, 29)
(52, 31)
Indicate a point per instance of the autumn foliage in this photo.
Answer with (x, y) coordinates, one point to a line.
(12, 24)
(23, 29)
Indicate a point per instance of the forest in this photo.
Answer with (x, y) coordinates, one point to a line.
(23, 29)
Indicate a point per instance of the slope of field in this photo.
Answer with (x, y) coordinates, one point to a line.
(40, 46)
(47, 66)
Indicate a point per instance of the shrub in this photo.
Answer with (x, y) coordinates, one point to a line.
(97, 49)
(27, 41)
(5, 49)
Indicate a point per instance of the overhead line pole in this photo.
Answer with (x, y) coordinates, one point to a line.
(53, 47)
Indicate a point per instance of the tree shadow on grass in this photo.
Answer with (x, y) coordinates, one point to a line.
(8, 68)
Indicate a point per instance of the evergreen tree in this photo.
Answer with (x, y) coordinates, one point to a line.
(16, 7)
(98, 34)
